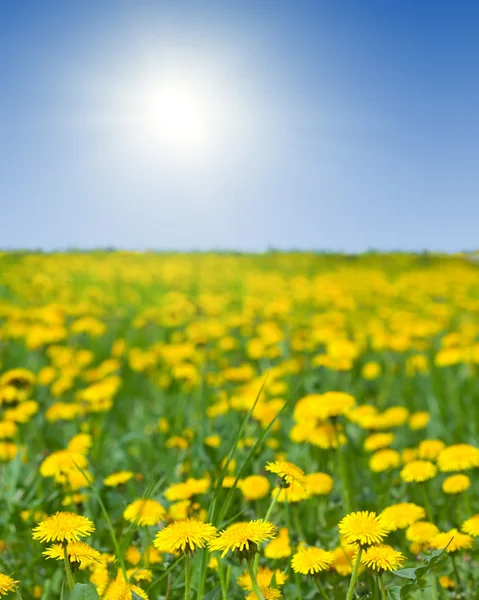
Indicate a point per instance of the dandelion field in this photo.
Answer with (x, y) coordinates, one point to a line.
(221, 426)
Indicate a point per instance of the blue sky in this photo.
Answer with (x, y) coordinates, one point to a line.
(336, 125)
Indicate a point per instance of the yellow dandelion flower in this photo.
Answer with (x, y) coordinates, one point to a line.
(343, 559)
(418, 471)
(63, 527)
(376, 441)
(400, 516)
(140, 575)
(319, 484)
(119, 589)
(458, 457)
(430, 449)
(187, 489)
(184, 536)
(144, 512)
(384, 460)
(455, 539)
(421, 532)
(287, 472)
(311, 560)
(254, 487)
(120, 478)
(291, 494)
(471, 526)
(279, 547)
(267, 593)
(363, 527)
(419, 420)
(382, 558)
(264, 577)
(243, 538)
(446, 583)
(455, 484)
(7, 584)
(78, 552)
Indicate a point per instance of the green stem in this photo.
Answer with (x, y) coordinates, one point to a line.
(254, 582)
(266, 518)
(354, 575)
(381, 587)
(224, 588)
(427, 504)
(456, 572)
(68, 571)
(187, 576)
(344, 473)
(320, 588)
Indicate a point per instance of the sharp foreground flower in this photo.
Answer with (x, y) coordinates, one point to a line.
(309, 561)
(7, 584)
(184, 536)
(243, 538)
(363, 527)
(471, 526)
(78, 552)
(382, 558)
(267, 593)
(63, 527)
(287, 472)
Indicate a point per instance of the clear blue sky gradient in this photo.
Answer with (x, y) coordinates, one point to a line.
(368, 134)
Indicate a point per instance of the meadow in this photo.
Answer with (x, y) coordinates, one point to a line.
(222, 426)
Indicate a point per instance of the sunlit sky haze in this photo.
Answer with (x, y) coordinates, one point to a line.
(201, 124)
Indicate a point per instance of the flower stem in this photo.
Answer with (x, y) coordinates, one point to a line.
(381, 587)
(254, 582)
(427, 504)
(266, 518)
(187, 576)
(68, 571)
(320, 588)
(456, 572)
(354, 575)
(344, 472)
(224, 588)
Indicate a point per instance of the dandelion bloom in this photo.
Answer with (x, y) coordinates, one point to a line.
(384, 460)
(279, 547)
(382, 558)
(264, 576)
(363, 527)
(267, 593)
(419, 420)
(376, 441)
(287, 472)
(421, 532)
(63, 527)
(458, 457)
(418, 471)
(243, 538)
(400, 516)
(333, 404)
(455, 539)
(319, 484)
(254, 487)
(144, 512)
(455, 484)
(7, 584)
(185, 536)
(119, 589)
(471, 526)
(120, 478)
(78, 552)
(446, 583)
(187, 489)
(343, 558)
(430, 449)
(309, 561)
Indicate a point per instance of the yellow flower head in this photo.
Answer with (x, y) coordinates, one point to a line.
(421, 532)
(455, 539)
(264, 577)
(430, 449)
(144, 512)
(78, 552)
(319, 484)
(458, 458)
(400, 516)
(63, 527)
(254, 487)
(185, 536)
(446, 583)
(120, 478)
(187, 489)
(279, 547)
(419, 420)
(288, 473)
(418, 471)
(376, 441)
(267, 593)
(311, 560)
(471, 526)
(243, 538)
(7, 584)
(363, 527)
(382, 558)
(384, 460)
(119, 589)
(343, 558)
(455, 484)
